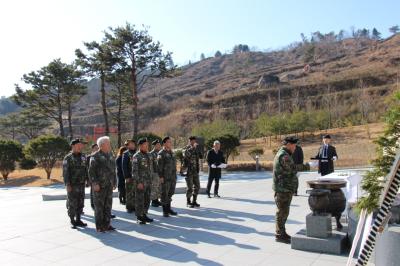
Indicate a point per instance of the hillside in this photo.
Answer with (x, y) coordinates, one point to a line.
(345, 75)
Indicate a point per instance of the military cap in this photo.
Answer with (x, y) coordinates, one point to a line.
(142, 140)
(76, 141)
(192, 137)
(290, 139)
(126, 143)
(155, 142)
(327, 136)
(165, 139)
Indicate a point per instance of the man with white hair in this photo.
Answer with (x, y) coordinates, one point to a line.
(103, 179)
(215, 157)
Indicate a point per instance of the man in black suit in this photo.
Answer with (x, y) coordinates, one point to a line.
(326, 155)
(215, 157)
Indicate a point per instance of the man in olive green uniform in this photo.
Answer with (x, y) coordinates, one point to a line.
(155, 184)
(127, 172)
(75, 176)
(285, 184)
(167, 173)
(142, 173)
(191, 160)
(94, 148)
(103, 179)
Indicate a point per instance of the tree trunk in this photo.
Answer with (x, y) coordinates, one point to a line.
(48, 173)
(103, 104)
(60, 118)
(119, 124)
(134, 100)
(71, 134)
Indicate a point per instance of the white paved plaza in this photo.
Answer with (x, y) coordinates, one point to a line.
(237, 229)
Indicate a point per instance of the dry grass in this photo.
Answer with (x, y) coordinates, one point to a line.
(354, 145)
(33, 178)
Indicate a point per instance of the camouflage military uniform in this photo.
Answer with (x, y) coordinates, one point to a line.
(167, 170)
(155, 183)
(102, 173)
(75, 175)
(142, 172)
(284, 184)
(129, 182)
(191, 159)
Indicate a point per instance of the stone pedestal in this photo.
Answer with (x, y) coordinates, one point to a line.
(319, 226)
(319, 237)
(335, 244)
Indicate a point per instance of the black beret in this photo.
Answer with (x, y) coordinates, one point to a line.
(76, 141)
(192, 137)
(94, 145)
(155, 142)
(327, 136)
(165, 139)
(290, 139)
(142, 140)
(126, 143)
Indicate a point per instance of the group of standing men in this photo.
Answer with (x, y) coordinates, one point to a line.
(143, 177)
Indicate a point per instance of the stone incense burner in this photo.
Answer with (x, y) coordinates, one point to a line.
(326, 196)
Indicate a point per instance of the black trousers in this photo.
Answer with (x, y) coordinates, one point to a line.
(209, 184)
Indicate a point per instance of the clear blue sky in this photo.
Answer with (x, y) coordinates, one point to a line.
(35, 32)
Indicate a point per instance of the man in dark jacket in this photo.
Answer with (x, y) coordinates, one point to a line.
(127, 171)
(325, 156)
(215, 158)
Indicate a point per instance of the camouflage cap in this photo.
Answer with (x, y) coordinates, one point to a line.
(126, 143)
(76, 141)
(165, 139)
(290, 139)
(155, 142)
(142, 140)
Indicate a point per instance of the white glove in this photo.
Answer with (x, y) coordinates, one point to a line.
(213, 166)
(313, 163)
(334, 158)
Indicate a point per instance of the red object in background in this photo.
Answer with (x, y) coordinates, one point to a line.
(100, 131)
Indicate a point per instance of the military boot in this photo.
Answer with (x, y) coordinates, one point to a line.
(147, 219)
(170, 211)
(283, 238)
(189, 203)
(155, 203)
(194, 203)
(165, 211)
(73, 223)
(141, 220)
(79, 222)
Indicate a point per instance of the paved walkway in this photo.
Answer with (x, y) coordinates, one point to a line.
(237, 229)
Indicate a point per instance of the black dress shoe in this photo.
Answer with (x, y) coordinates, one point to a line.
(216, 195)
(113, 216)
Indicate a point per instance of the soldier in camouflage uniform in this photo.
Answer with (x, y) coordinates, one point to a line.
(75, 177)
(142, 173)
(127, 172)
(103, 179)
(155, 184)
(285, 184)
(191, 161)
(167, 172)
(94, 148)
